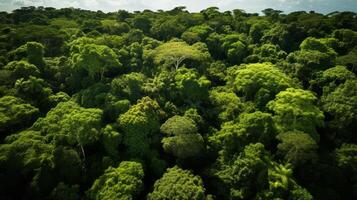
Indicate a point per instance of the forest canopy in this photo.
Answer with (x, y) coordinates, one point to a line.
(174, 104)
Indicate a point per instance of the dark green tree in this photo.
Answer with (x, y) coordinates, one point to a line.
(341, 105)
(297, 148)
(181, 137)
(96, 60)
(15, 114)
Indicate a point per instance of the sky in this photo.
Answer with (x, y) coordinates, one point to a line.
(251, 6)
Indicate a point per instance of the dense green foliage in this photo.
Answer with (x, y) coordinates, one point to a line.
(177, 183)
(178, 105)
(124, 182)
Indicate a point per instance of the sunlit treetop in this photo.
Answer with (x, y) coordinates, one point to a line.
(175, 53)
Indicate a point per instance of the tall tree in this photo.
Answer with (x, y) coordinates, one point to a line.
(295, 109)
(175, 53)
(140, 124)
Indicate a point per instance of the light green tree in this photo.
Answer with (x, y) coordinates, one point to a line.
(259, 81)
(177, 183)
(249, 127)
(295, 109)
(174, 53)
(139, 126)
(227, 104)
(79, 126)
(123, 182)
(191, 87)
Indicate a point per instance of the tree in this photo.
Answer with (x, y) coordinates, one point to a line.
(21, 157)
(227, 105)
(95, 59)
(279, 35)
(210, 12)
(35, 52)
(259, 82)
(113, 27)
(295, 109)
(234, 47)
(111, 140)
(323, 45)
(178, 125)
(83, 126)
(21, 69)
(139, 125)
(347, 39)
(174, 53)
(266, 53)
(241, 177)
(177, 183)
(35, 90)
(123, 182)
(193, 114)
(349, 60)
(306, 63)
(325, 82)
(68, 165)
(214, 42)
(216, 73)
(282, 185)
(257, 30)
(196, 33)
(131, 57)
(167, 28)
(345, 156)
(128, 86)
(297, 148)
(248, 128)
(79, 126)
(247, 105)
(190, 86)
(341, 105)
(315, 55)
(57, 98)
(181, 138)
(273, 14)
(114, 107)
(93, 96)
(141, 22)
(15, 114)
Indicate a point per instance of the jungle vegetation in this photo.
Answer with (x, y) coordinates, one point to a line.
(163, 105)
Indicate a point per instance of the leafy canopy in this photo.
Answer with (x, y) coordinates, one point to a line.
(123, 182)
(177, 183)
(295, 109)
(174, 53)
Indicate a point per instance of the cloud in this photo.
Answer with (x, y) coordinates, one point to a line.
(324, 6)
